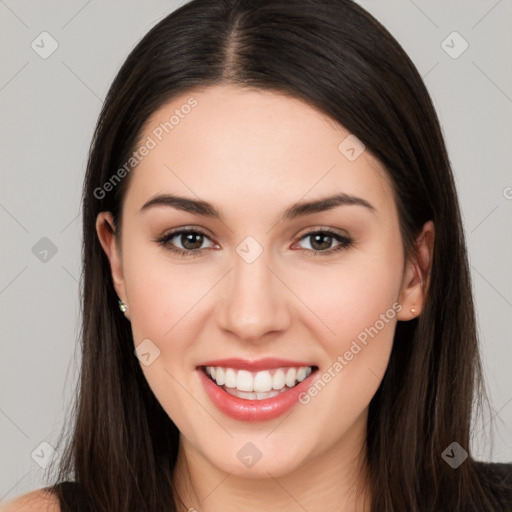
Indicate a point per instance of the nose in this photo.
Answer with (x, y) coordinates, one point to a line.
(254, 301)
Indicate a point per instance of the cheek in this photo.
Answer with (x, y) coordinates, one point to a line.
(356, 333)
(162, 294)
(163, 300)
(355, 296)
(357, 303)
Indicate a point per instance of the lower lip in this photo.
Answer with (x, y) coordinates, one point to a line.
(253, 410)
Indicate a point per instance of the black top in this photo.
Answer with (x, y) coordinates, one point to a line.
(496, 479)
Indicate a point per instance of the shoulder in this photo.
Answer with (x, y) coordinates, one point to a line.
(40, 500)
(496, 478)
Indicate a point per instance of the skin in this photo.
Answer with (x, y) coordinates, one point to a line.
(253, 154)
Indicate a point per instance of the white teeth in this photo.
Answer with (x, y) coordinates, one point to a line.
(262, 396)
(262, 382)
(254, 385)
(252, 396)
(230, 378)
(278, 379)
(290, 377)
(242, 394)
(219, 376)
(303, 373)
(244, 381)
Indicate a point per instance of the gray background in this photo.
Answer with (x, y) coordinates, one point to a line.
(48, 111)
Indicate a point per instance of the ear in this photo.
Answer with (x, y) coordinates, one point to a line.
(105, 229)
(416, 278)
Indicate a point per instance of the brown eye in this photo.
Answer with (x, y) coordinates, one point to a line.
(191, 240)
(187, 242)
(322, 242)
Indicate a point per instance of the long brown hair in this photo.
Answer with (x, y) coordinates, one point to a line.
(331, 53)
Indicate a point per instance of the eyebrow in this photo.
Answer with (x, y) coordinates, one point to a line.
(299, 209)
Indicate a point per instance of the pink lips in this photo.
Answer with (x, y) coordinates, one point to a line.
(253, 410)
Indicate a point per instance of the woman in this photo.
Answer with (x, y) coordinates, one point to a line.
(277, 304)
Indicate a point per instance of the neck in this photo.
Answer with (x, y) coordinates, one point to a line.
(328, 481)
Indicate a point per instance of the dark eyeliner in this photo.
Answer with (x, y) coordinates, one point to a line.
(344, 242)
(164, 241)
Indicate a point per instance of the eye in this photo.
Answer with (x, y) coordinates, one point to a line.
(321, 242)
(191, 241)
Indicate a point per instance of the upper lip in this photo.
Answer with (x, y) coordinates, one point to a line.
(266, 363)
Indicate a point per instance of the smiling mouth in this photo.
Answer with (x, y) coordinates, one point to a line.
(257, 385)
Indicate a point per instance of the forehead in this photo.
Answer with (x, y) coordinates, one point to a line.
(245, 144)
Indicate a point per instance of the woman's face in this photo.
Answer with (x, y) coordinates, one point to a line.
(262, 291)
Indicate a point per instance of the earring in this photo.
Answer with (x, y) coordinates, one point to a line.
(413, 311)
(122, 306)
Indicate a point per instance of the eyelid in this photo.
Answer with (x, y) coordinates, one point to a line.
(164, 241)
(316, 229)
(184, 229)
(312, 230)
(343, 238)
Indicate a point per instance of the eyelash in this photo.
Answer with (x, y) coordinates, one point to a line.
(345, 242)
